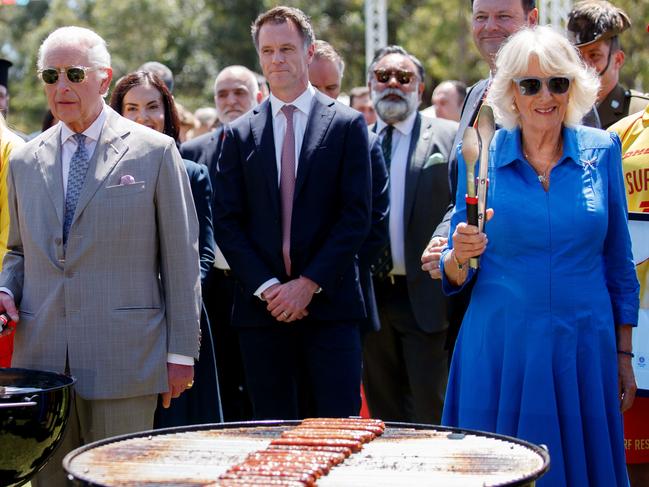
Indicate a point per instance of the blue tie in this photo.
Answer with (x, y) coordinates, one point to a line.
(76, 177)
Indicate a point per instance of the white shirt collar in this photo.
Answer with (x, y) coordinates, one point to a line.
(404, 126)
(302, 102)
(93, 132)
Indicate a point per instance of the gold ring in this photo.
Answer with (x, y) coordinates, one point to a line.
(190, 384)
(284, 314)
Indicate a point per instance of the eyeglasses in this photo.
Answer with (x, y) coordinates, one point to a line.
(531, 85)
(76, 74)
(384, 76)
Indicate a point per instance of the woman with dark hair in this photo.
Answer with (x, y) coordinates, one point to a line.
(145, 99)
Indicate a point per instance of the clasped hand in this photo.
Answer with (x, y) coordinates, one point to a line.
(288, 302)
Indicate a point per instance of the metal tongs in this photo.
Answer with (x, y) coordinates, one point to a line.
(475, 144)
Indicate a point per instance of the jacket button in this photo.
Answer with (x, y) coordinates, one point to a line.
(58, 241)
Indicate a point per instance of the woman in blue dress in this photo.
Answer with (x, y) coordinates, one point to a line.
(544, 352)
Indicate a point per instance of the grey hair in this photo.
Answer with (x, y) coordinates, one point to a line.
(73, 36)
(246, 75)
(557, 56)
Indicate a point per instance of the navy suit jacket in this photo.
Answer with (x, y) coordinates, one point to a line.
(379, 232)
(202, 194)
(331, 210)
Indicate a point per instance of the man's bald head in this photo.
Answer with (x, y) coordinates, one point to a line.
(235, 92)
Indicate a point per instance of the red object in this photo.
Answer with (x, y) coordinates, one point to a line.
(365, 411)
(636, 431)
(6, 350)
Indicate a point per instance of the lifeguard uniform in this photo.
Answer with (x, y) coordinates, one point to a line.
(634, 133)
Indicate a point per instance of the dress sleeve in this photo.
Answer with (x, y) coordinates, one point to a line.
(621, 280)
(458, 215)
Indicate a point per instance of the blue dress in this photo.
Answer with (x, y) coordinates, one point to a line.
(536, 355)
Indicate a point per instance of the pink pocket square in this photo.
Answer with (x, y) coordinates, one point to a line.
(127, 179)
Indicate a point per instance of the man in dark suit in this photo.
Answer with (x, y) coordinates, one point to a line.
(326, 75)
(236, 91)
(292, 208)
(493, 22)
(404, 369)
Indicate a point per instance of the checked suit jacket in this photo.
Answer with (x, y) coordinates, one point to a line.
(126, 290)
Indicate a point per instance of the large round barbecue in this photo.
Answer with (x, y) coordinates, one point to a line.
(404, 455)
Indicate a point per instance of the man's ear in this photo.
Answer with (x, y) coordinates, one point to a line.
(618, 59)
(260, 97)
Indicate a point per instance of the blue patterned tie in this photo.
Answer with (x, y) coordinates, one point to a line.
(76, 177)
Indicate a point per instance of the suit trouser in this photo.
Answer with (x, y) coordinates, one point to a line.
(309, 362)
(93, 420)
(404, 368)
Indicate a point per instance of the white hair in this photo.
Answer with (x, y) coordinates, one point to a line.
(557, 57)
(72, 36)
(245, 75)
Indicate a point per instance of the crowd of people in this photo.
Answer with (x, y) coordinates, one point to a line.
(267, 262)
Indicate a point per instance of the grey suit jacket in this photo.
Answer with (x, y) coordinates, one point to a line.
(427, 197)
(126, 291)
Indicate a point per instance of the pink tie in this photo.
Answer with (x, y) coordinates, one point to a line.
(287, 185)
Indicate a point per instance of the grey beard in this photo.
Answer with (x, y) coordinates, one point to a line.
(394, 111)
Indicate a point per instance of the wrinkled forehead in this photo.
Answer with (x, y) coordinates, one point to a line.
(66, 55)
(396, 61)
(231, 83)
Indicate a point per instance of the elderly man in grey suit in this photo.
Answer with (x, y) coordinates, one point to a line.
(103, 253)
(404, 369)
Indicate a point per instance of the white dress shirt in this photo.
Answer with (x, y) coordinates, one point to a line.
(300, 117)
(401, 137)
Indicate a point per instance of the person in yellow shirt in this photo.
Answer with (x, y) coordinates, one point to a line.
(8, 141)
(634, 133)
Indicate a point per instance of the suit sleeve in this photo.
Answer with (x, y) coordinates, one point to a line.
(347, 234)
(378, 236)
(230, 210)
(621, 279)
(179, 261)
(202, 195)
(12, 275)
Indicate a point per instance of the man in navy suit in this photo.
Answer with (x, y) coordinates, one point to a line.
(292, 209)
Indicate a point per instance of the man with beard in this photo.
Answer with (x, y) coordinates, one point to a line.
(236, 91)
(405, 371)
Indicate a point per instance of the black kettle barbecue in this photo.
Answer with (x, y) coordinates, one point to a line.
(34, 410)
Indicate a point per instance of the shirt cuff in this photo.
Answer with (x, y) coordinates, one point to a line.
(174, 358)
(264, 286)
(6, 290)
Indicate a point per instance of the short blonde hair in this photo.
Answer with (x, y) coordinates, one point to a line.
(557, 57)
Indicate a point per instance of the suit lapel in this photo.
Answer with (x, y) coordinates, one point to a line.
(322, 112)
(48, 156)
(474, 102)
(261, 126)
(419, 144)
(109, 150)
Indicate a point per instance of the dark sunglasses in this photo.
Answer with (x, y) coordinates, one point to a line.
(531, 85)
(76, 74)
(384, 75)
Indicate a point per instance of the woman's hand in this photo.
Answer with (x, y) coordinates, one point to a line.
(626, 381)
(468, 241)
(625, 376)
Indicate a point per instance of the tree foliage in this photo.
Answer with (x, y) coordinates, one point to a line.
(196, 38)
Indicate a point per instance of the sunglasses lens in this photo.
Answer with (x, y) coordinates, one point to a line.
(529, 86)
(382, 76)
(558, 85)
(49, 76)
(76, 75)
(404, 77)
